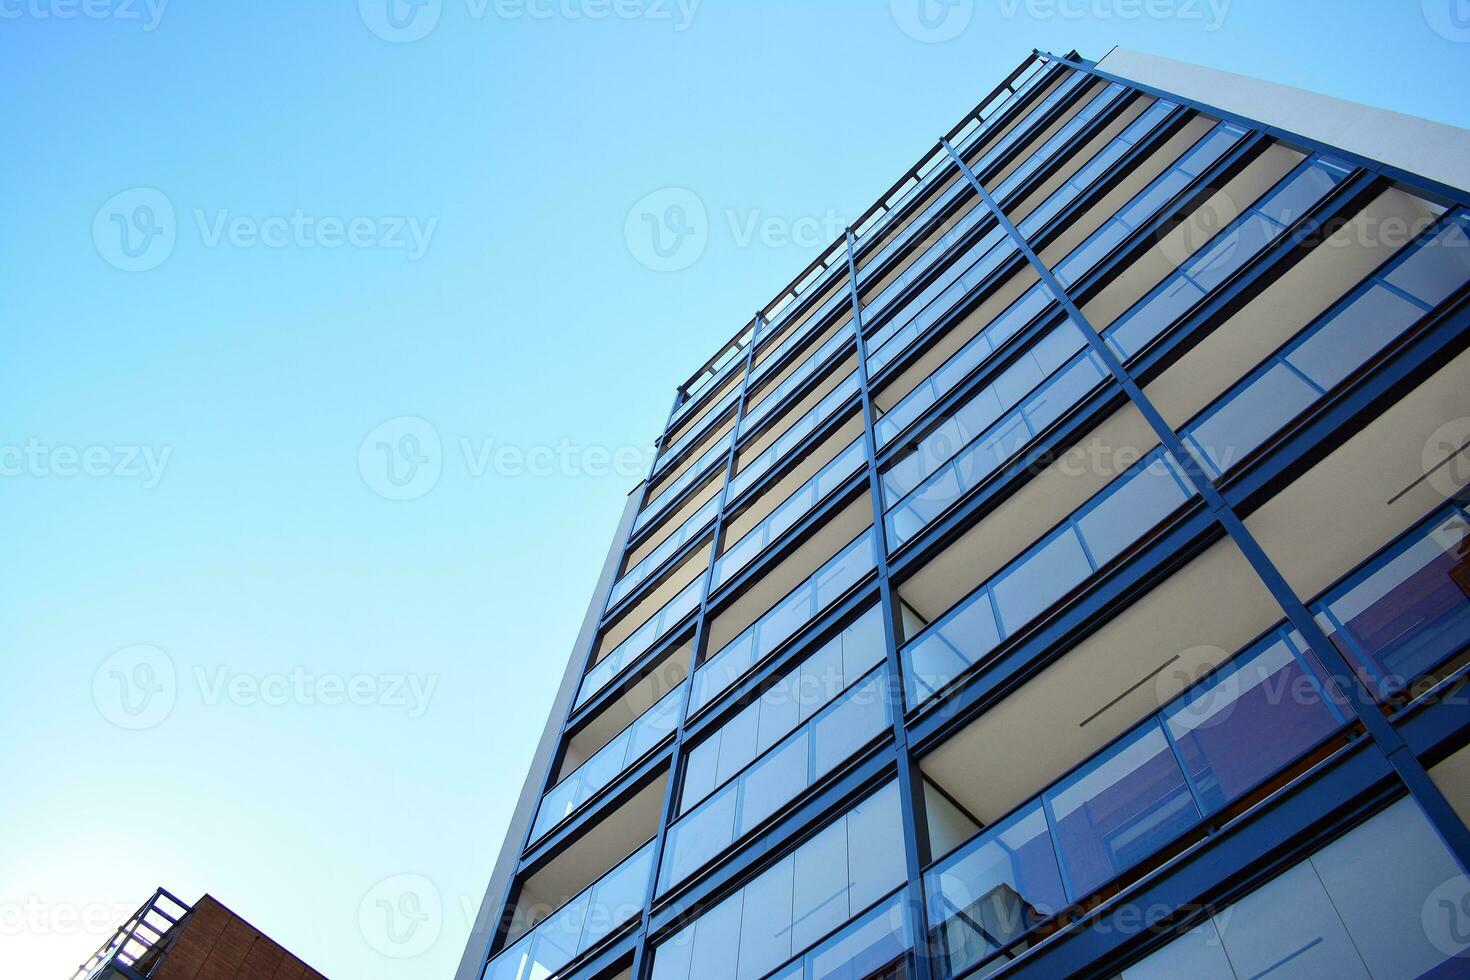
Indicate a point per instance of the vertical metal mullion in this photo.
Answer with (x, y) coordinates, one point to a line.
(642, 957)
(1385, 736)
(911, 807)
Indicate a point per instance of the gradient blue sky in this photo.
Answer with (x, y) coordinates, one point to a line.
(256, 567)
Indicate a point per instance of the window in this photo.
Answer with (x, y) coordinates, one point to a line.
(1408, 611)
(846, 868)
(1363, 906)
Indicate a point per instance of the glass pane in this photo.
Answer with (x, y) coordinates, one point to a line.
(1384, 879)
(941, 655)
(865, 947)
(1363, 328)
(1041, 578)
(699, 772)
(1238, 246)
(765, 928)
(875, 853)
(1247, 722)
(994, 889)
(1155, 315)
(853, 722)
(1064, 391)
(1143, 499)
(780, 710)
(1406, 616)
(717, 941)
(699, 836)
(1120, 808)
(772, 782)
(1251, 416)
(820, 903)
(617, 898)
(1437, 269)
(1302, 192)
(737, 743)
(1288, 930)
(1198, 954)
(863, 646)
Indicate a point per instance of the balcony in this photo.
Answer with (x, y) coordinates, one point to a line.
(592, 887)
(584, 921)
(690, 530)
(792, 508)
(673, 487)
(786, 599)
(764, 454)
(1088, 540)
(1255, 722)
(612, 664)
(609, 761)
(1304, 371)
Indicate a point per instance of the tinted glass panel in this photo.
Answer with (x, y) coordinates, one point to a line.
(1360, 330)
(1119, 808)
(1122, 517)
(1251, 416)
(1041, 579)
(1402, 618)
(1248, 722)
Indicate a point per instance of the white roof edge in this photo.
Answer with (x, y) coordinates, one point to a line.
(1419, 146)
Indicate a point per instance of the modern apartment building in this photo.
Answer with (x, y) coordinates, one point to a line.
(1067, 575)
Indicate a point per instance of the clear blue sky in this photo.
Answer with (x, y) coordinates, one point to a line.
(190, 487)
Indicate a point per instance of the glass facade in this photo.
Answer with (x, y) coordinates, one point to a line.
(1099, 500)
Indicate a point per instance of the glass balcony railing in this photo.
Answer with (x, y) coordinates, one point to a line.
(1093, 535)
(609, 903)
(1062, 139)
(785, 704)
(1031, 370)
(989, 254)
(688, 531)
(1148, 203)
(608, 763)
(1406, 612)
(1266, 710)
(808, 369)
(1089, 173)
(1019, 424)
(1027, 307)
(719, 452)
(803, 501)
(846, 390)
(1373, 315)
(784, 620)
(942, 167)
(776, 778)
(1259, 227)
(641, 640)
(666, 456)
(869, 946)
(801, 334)
(981, 259)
